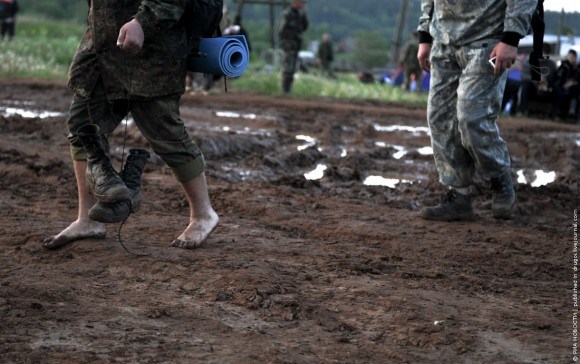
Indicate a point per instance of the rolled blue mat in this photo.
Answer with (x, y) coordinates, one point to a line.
(227, 56)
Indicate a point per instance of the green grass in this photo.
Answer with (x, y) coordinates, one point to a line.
(40, 48)
(345, 86)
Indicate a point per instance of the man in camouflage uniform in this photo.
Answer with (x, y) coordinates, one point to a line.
(294, 22)
(131, 59)
(456, 41)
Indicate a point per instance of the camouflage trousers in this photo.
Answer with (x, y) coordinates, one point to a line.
(157, 119)
(289, 60)
(464, 103)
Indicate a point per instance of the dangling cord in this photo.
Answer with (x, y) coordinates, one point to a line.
(542, 70)
(226, 83)
(119, 234)
(122, 165)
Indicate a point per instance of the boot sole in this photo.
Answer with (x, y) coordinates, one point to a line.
(106, 217)
(118, 195)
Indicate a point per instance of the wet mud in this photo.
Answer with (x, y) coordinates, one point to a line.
(319, 256)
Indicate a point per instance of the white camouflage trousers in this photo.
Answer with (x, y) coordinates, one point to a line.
(464, 103)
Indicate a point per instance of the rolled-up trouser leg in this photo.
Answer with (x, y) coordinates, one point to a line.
(94, 110)
(160, 123)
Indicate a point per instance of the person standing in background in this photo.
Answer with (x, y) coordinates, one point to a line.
(8, 11)
(294, 22)
(326, 55)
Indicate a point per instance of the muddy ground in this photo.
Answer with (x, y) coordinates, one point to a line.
(329, 268)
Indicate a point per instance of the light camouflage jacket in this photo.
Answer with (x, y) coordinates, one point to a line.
(157, 70)
(461, 22)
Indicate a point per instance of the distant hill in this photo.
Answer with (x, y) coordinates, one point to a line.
(342, 18)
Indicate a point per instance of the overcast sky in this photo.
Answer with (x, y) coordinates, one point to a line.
(558, 5)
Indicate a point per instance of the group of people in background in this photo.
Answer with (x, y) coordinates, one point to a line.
(556, 94)
(8, 11)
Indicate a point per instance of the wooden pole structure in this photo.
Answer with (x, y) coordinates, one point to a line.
(272, 29)
(273, 4)
(397, 39)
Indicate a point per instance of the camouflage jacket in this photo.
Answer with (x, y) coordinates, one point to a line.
(157, 70)
(292, 25)
(461, 22)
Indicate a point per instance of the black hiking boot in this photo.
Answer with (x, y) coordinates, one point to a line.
(102, 179)
(118, 211)
(453, 207)
(504, 196)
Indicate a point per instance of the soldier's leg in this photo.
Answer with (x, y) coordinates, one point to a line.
(84, 111)
(11, 27)
(479, 102)
(159, 121)
(288, 68)
(3, 29)
(453, 162)
(480, 95)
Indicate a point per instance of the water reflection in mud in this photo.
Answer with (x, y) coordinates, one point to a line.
(425, 151)
(309, 142)
(537, 178)
(414, 130)
(401, 151)
(386, 182)
(317, 173)
(235, 115)
(28, 113)
(242, 131)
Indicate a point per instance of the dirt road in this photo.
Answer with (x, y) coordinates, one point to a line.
(319, 256)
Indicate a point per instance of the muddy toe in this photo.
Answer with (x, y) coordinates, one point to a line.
(53, 242)
(185, 243)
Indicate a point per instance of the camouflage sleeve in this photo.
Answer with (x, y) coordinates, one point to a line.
(283, 22)
(518, 16)
(427, 7)
(154, 14)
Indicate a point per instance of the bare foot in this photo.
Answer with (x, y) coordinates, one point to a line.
(197, 232)
(85, 229)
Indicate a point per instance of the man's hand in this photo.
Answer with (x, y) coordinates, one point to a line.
(423, 56)
(505, 56)
(131, 37)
